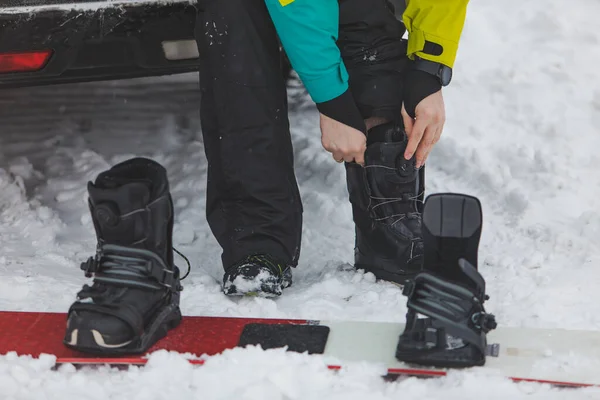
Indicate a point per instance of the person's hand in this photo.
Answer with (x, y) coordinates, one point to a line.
(425, 130)
(345, 143)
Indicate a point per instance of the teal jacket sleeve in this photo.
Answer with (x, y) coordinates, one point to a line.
(308, 30)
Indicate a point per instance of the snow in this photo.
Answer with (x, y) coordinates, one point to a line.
(521, 134)
(252, 374)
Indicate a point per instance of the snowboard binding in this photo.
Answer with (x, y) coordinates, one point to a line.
(135, 295)
(450, 292)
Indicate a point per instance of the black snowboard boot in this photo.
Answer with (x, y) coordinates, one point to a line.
(257, 275)
(446, 322)
(134, 298)
(387, 196)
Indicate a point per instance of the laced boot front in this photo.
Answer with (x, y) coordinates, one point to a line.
(387, 197)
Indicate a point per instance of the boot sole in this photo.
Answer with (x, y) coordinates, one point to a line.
(90, 341)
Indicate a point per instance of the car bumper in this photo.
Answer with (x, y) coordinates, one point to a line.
(100, 40)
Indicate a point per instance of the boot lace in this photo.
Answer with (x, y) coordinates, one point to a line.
(376, 201)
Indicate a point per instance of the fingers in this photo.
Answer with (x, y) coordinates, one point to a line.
(430, 138)
(338, 157)
(424, 132)
(418, 130)
(421, 161)
(359, 158)
(426, 145)
(356, 155)
(343, 142)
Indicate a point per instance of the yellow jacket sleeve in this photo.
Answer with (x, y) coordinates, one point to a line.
(434, 28)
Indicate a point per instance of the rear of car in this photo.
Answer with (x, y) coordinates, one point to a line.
(61, 41)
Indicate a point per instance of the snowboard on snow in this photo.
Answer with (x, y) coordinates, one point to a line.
(558, 357)
(452, 226)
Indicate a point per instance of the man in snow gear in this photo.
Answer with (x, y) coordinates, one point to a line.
(134, 298)
(352, 59)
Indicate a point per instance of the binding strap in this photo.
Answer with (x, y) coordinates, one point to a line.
(454, 330)
(131, 267)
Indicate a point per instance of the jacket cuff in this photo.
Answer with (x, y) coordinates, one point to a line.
(343, 109)
(326, 85)
(420, 43)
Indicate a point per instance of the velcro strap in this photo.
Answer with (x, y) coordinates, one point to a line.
(418, 45)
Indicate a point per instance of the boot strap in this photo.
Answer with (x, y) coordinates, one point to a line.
(131, 267)
(455, 318)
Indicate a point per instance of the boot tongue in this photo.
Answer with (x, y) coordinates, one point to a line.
(113, 211)
(127, 197)
(389, 171)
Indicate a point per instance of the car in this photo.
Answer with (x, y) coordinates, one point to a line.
(59, 41)
(63, 41)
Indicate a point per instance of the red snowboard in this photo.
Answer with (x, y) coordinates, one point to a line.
(519, 353)
(31, 333)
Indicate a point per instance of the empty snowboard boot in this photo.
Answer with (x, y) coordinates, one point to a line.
(134, 298)
(386, 198)
(257, 275)
(449, 294)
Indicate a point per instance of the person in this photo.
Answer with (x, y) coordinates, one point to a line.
(354, 63)
(380, 109)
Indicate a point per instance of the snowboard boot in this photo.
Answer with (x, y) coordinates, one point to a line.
(450, 292)
(386, 198)
(134, 298)
(257, 275)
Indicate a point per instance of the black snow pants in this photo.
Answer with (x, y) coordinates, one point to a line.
(253, 204)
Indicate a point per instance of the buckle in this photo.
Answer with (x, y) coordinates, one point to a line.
(431, 337)
(162, 275)
(409, 288)
(90, 267)
(168, 277)
(484, 321)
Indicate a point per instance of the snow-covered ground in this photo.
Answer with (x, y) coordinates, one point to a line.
(521, 134)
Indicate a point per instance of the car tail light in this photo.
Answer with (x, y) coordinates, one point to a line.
(180, 49)
(24, 62)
